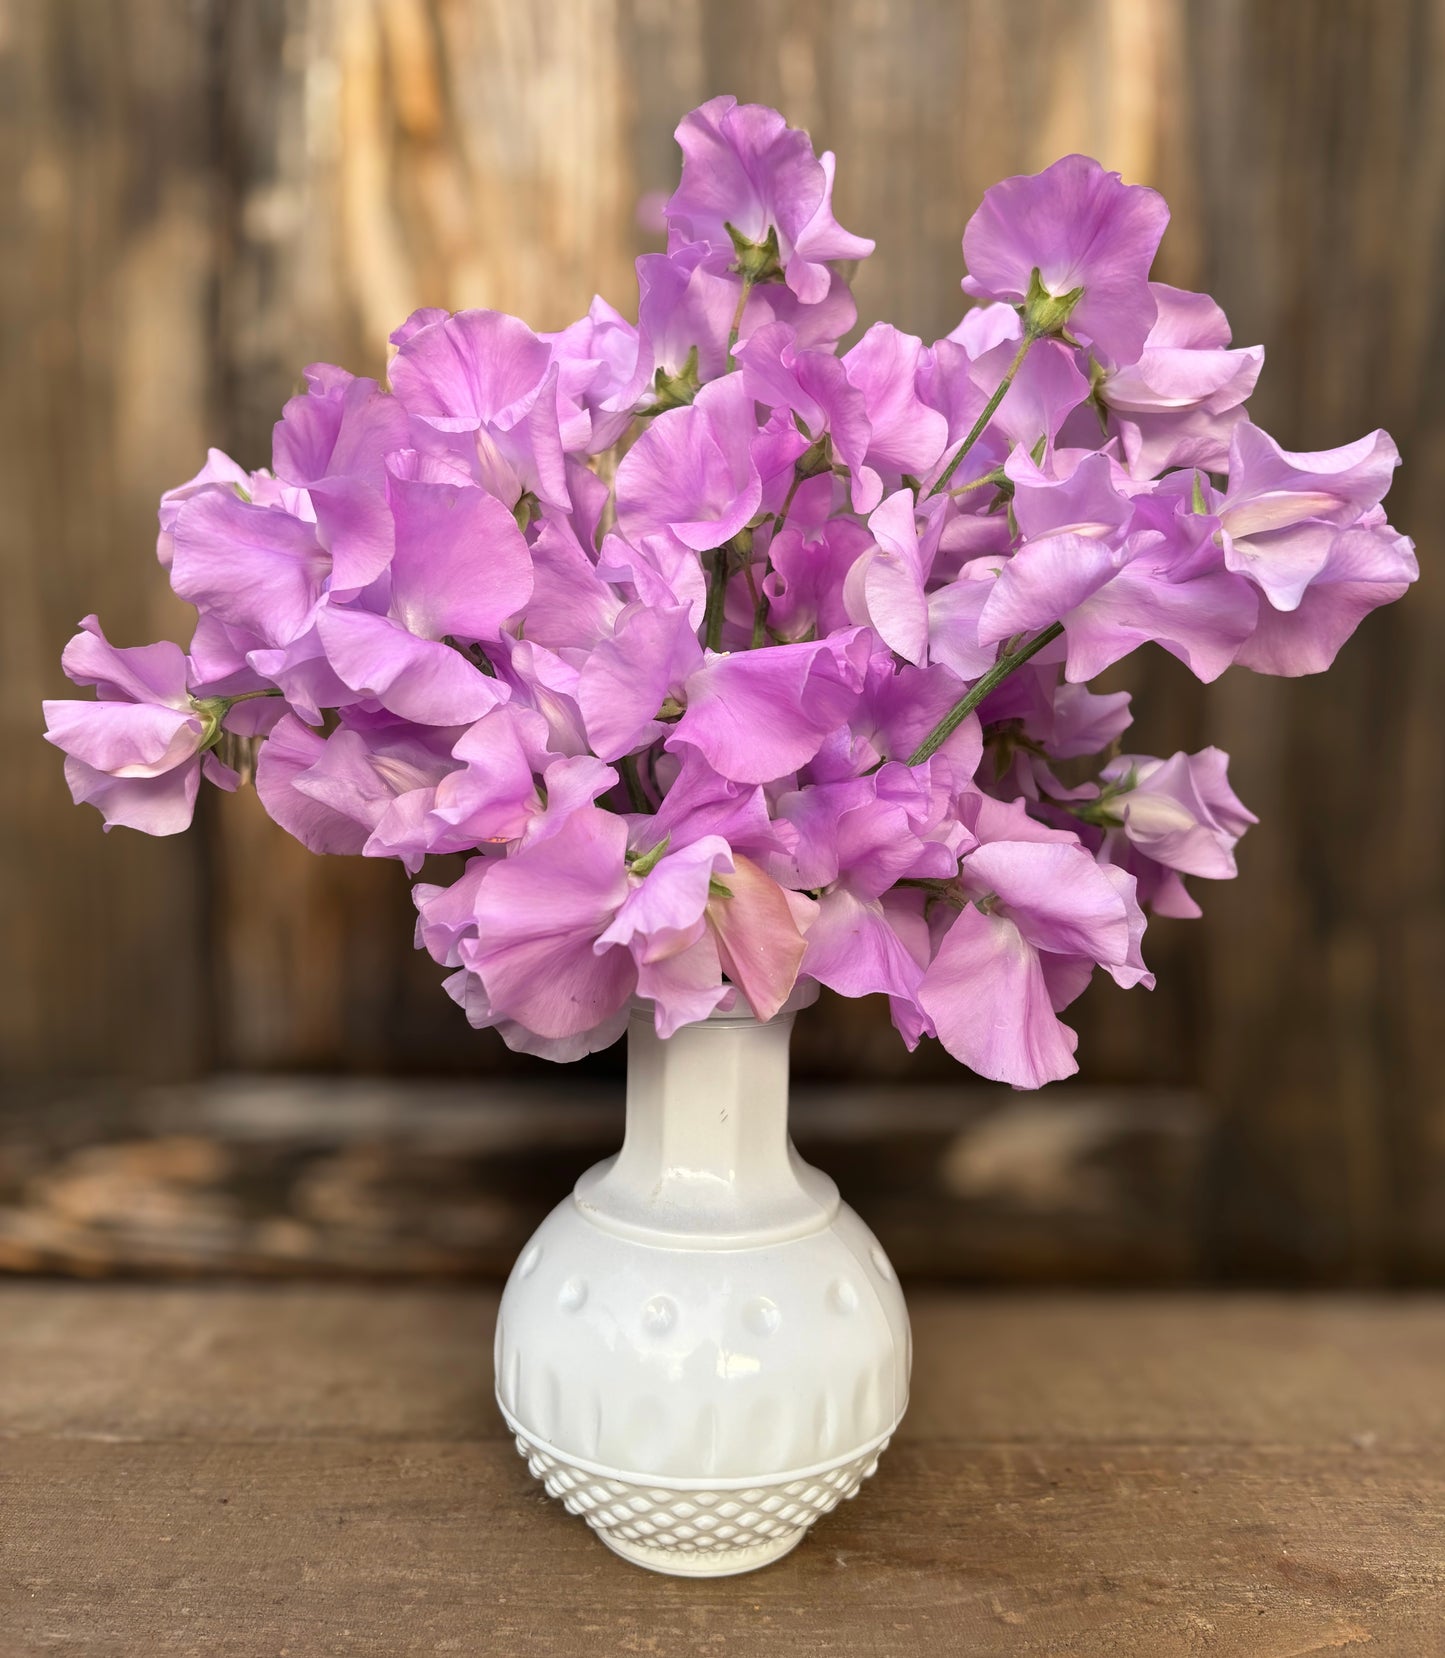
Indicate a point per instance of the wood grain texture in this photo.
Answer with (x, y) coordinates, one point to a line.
(289, 1178)
(212, 195)
(105, 290)
(247, 1473)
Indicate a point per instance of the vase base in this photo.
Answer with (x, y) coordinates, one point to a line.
(704, 1562)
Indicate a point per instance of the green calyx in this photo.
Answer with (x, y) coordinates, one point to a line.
(1045, 313)
(212, 711)
(815, 460)
(675, 391)
(527, 511)
(756, 261)
(1104, 812)
(643, 863)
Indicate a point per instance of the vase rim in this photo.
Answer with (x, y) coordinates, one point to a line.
(805, 993)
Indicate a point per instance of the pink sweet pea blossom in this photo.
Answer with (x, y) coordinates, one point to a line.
(856, 840)
(1178, 404)
(746, 172)
(602, 374)
(1180, 812)
(1111, 570)
(1282, 512)
(367, 787)
(905, 435)
(1082, 230)
(691, 472)
(1039, 915)
(1367, 566)
(488, 381)
(137, 752)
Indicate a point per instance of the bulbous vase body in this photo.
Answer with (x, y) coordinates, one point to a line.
(703, 1349)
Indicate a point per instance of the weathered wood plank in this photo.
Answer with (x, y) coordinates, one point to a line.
(105, 289)
(1321, 135)
(258, 1363)
(319, 1548)
(386, 154)
(413, 1181)
(1078, 1477)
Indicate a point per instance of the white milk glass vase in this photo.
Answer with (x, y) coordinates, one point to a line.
(702, 1349)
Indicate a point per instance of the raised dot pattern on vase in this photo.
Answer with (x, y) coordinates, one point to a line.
(659, 1314)
(761, 1316)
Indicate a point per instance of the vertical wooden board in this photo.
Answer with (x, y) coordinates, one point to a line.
(1320, 130)
(381, 155)
(106, 293)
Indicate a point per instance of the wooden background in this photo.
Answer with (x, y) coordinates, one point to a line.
(201, 197)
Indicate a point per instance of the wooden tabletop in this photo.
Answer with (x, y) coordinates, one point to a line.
(312, 1471)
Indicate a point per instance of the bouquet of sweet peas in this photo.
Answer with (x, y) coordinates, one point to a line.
(731, 659)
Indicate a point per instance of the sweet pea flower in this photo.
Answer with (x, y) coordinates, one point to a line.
(219, 469)
(1180, 812)
(602, 376)
(1162, 819)
(814, 388)
(333, 441)
(691, 472)
(1038, 914)
(1046, 388)
(905, 435)
(490, 384)
(1367, 566)
(1036, 723)
(696, 802)
(855, 841)
(688, 302)
(886, 587)
(138, 751)
(460, 568)
(1282, 512)
(1179, 403)
(540, 918)
(1113, 574)
(565, 931)
(365, 788)
(1073, 245)
(754, 715)
(747, 175)
(256, 569)
(804, 586)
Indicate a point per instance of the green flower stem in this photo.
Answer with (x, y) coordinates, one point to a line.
(627, 765)
(978, 483)
(737, 324)
(716, 594)
(967, 703)
(989, 410)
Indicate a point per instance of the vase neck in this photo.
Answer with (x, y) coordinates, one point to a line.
(706, 1157)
